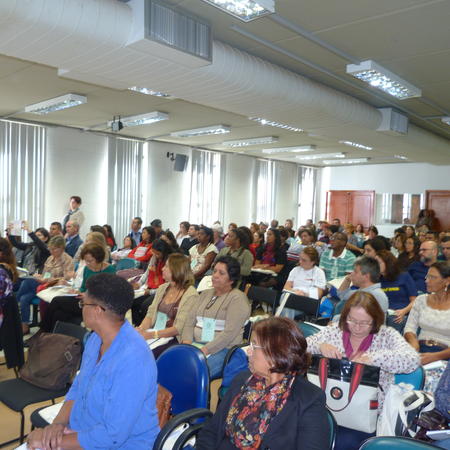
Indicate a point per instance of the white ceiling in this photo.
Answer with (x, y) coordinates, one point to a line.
(409, 37)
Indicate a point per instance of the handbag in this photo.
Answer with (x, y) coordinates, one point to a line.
(351, 390)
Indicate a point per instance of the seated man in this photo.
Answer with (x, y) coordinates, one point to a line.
(338, 261)
(135, 232)
(191, 240)
(73, 240)
(112, 402)
(55, 229)
(418, 270)
(445, 248)
(365, 276)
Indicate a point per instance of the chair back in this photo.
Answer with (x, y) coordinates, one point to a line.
(263, 295)
(71, 329)
(125, 263)
(394, 443)
(333, 429)
(308, 329)
(309, 306)
(416, 378)
(183, 371)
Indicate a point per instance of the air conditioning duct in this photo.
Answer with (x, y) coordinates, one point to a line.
(393, 122)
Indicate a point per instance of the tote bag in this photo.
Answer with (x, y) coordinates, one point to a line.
(351, 390)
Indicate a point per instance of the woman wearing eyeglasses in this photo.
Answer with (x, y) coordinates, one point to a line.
(273, 405)
(361, 337)
(216, 322)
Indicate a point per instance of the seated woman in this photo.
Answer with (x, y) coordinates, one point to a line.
(258, 241)
(150, 281)
(410, 254)
(183, 232)
(272, 406)
(431, 313)
(112, 402)
(269, 257)
(66, 308)
(93, 237)
(361, 336)
(218, 240)
(143, 252)
(307, 238)
(173, 301)
(216, 322)
(360, 234)
(306, 279)
(36, 252)
(109, 235)
(352, 240)
(203, 254)
(122, 253)
(398, 244)
(373, 246)
(8, 270)
(169, 237)
(57, 269)
(399, 287)
(237, 246)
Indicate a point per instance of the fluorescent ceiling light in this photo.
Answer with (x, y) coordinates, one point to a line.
(446, 120)
(381, 78)
(147, 91)
(251, 141)
(56, 104)
(142, 119)
(323, 155)
(400, 157)
(205, 131)
(245, 10)
(275, 124)
(303, 148)
(356, 144)
(344, 161)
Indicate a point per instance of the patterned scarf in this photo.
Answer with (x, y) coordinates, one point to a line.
(253, 408)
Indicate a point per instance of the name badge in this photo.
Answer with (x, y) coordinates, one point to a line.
(193, 264)
(161, 321)
(47, 275)
(209, 327)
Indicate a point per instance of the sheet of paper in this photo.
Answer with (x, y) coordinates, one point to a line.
(17, 228)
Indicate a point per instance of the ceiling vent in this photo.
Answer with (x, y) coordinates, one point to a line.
(170, 33)
(392, 122)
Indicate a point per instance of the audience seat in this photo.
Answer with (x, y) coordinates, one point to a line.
(125, 263)
(394, 443)
(416, 378)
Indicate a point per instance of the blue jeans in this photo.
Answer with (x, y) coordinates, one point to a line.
(215, 363)
(25, 294)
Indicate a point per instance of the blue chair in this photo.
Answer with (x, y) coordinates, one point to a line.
(394, 443)
(126, 263)
(183, 371)
(333, 429)
(307, 329)
(416, 378)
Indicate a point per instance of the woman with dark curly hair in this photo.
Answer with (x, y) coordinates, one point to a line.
(273, 405)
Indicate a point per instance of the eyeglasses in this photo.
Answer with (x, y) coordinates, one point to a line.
(253, 346)
(363, 323)
(81, 304)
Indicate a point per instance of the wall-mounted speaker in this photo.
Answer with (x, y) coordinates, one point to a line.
(181, 162)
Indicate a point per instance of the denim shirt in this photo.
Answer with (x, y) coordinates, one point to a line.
(115, 398)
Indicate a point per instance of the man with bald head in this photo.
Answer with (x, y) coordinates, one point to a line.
(418, 270)
(73, 240)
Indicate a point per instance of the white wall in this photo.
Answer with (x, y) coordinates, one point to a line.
(76, 165)
(385, 178)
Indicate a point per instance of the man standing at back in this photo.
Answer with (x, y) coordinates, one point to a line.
(74, 214)
(418, 270)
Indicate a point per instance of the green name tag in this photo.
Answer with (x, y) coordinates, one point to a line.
(161, 321)
(47, 275)
(209, 327)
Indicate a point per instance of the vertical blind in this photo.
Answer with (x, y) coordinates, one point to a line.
(265, 182)
(205, 203)
(306, 194)
(124, 184)
(22, 168)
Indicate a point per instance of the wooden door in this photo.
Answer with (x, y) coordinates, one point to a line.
(439, 202)
(361, 207)
(337, 206)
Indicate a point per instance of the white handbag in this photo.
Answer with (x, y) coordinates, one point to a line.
(351, 390)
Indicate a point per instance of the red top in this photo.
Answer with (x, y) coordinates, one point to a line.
(143, 252)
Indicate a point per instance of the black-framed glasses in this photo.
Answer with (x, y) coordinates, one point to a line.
(81, 304)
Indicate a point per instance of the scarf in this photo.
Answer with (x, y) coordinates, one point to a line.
(365, 344)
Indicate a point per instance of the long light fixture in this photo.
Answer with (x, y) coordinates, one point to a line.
(379, 77)
(400, 157)
(205, 131)
(303, 148)
(356, 144)
(251, 141)
(446, 120)
(329, 162)
(141, 119)
(56, 104)
(147, 91)
(275, 124)
(322, 156)
(245, 10)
